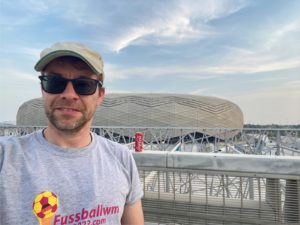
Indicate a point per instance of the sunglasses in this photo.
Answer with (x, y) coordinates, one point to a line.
(55, 84)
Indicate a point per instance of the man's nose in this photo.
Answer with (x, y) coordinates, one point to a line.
(69, 91)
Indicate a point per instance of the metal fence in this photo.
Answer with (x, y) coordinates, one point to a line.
(213, 176)
(214, 188)
(236, 141)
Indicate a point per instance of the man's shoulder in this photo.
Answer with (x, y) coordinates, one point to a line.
(17, 141)
(9, 140)
(13, 148)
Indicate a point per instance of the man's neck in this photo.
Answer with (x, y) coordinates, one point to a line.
(66, 139)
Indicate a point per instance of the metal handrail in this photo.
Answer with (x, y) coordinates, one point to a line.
(197, 188)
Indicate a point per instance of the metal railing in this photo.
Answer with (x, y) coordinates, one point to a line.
(213, 176)
(213, 188)
(235, 141)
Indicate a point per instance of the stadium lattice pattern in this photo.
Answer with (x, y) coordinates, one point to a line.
(150, 110)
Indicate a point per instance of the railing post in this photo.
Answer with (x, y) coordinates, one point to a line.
(273, 197)
(167, 181)
(251, 188)
(278, 143)
(292, 201)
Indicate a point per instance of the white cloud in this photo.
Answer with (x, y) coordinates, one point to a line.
(253, 64)
(19, 53)
(281, 36)
(25, 13)
(81, 13)
(38, 6)
(202, 91)
(127, 38)
(179, 23)
(174, 30)
(114, 72)
(33, 52)
(189, 72)
(13, 75)
(200, 72)
(267, 79)
(277, 49)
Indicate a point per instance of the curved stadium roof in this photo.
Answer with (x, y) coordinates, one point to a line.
(150, 110)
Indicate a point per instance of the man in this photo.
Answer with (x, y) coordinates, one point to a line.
(66, 174)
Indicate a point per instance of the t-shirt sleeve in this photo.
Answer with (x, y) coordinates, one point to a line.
(136, 191)
(1, 156)
(2, 143)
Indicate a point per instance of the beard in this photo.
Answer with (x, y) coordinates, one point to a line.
(66, 123)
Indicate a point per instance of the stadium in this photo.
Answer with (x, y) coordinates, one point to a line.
(150, 110)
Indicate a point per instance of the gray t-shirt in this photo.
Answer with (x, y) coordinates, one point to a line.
(42, 182)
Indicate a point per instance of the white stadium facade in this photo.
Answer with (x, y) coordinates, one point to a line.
(150, 110)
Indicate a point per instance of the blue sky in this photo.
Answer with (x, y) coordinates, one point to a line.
(245, 51)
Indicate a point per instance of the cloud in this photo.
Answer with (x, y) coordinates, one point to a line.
(281, 37)
(82, 13)
(171, 22)
(272, 53)
(28, 13)
(177, 23)
(115, 72)
(253, 64)
(127, 38)
(33, 52)
(202, 91)
(19, 53)
(16, 75)
(37, 6)
(267, 79)
(21, 13)
(158, 32)
(277, 49)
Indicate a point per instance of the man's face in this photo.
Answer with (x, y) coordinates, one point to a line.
(68, 111)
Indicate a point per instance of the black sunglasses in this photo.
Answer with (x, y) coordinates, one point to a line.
(55, 84)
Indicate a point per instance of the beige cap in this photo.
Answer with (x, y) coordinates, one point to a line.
(90, 57)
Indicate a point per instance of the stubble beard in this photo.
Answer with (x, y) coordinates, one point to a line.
(70, 127)
(65, 124)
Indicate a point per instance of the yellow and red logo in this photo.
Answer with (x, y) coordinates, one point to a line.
(44, 207)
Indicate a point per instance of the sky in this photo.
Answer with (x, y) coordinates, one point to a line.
(244, 51)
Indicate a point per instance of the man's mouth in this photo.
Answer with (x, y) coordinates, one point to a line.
(67, 109)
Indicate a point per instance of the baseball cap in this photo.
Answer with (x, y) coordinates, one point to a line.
(92, 58)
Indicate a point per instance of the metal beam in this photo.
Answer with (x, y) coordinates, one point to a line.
(286, 167)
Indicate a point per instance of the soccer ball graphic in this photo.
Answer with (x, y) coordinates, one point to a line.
(45, 204)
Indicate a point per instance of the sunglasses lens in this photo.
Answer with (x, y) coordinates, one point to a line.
(56, 85)
(53, 84)
(85, 86)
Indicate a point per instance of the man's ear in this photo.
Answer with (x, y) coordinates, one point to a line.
(101, 91)
(101, 95)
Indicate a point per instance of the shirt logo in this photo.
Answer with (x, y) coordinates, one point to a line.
(44, 207)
